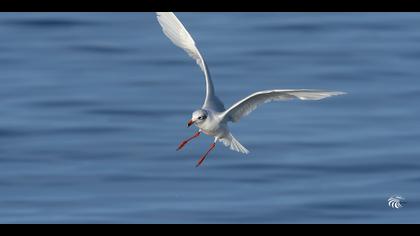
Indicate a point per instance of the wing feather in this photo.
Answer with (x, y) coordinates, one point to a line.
(177, 33)
(250, 103)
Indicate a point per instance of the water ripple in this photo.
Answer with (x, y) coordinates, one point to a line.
(48, 23)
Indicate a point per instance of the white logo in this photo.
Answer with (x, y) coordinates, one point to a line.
(396, 202)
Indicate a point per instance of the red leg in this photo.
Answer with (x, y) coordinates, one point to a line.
(182, 144)
(205, 155)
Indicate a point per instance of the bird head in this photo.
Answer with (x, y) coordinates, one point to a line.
(198, 117)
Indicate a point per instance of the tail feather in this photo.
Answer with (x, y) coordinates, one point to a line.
(234, 144)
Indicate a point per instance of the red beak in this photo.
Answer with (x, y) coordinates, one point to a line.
(190, 122)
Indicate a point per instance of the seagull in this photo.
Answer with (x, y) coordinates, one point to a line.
(212, 118)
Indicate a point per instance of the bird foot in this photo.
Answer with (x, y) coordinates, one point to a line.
(205, 155)
(181, 145)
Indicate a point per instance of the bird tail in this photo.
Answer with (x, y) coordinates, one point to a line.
(233, 144)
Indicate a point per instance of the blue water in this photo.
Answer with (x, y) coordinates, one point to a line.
(93, 107)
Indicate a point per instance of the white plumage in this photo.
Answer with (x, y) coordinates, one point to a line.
(177, 33)
(234, 144)
(212, 119)
(250, 103)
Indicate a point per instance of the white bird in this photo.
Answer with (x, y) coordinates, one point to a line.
(212, 119)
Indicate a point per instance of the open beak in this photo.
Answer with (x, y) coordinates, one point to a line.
(190, 122)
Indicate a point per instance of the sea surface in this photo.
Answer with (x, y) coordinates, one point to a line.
(93, 106)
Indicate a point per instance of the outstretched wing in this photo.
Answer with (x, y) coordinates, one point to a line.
(177, 33)
(250, 103)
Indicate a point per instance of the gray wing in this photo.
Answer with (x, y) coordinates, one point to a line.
(250, 103)
(177, 33)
